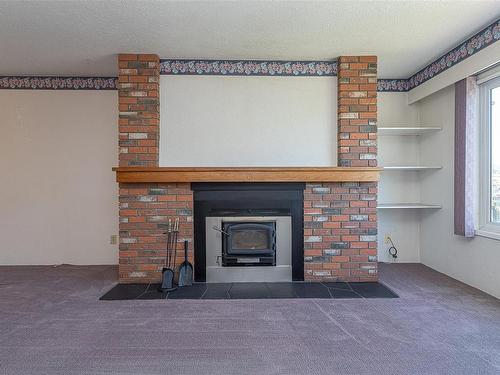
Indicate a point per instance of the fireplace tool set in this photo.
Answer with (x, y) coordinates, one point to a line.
(168, 271)
(185, 272)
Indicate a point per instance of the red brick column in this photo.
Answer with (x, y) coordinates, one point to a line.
(139, 109)
(340, 219)
(357, 111)
(146, 208)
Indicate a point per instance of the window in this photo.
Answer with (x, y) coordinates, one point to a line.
(489, 184)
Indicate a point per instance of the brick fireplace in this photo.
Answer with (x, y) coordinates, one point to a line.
(340, 219)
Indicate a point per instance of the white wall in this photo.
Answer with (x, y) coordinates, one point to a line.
(427, 235)
(472, 261)
(403, 226)
(58, 197)
(248, 121)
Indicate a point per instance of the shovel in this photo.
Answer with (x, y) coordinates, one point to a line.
(186, 269)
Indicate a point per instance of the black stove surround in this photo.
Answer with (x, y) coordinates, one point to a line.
(249, 199)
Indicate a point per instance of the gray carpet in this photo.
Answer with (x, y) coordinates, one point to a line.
(51, 322)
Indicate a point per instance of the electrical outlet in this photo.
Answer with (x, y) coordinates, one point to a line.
(112, 239)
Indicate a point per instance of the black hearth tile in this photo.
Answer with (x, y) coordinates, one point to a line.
(194, 291)
(311, 290)
(337, 285)
(217, 291)
(249, 291)
(124, 292)
(281, 290)
(152, 292)
(373, 290)
(344, 293)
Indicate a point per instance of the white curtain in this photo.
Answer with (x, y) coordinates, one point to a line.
(466, 128)
(472, 123)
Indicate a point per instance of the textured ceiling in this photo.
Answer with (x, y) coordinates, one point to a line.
(82, 38)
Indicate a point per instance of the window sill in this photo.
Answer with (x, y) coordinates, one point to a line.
(488, 233)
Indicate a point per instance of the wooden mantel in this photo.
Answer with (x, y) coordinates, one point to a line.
(246, 174)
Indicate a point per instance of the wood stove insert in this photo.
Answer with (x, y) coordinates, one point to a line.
(249, 244)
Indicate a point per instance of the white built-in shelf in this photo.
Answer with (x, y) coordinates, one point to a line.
(407, 206)
(410, 167)
(407, 130)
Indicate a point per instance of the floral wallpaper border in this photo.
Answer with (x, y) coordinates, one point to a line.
(59, 83)
(265, 68)
(471, 46)
(248, 67)
(392, 85)
(476, 43)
